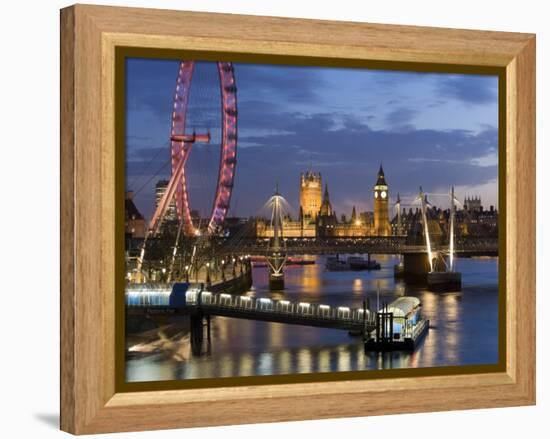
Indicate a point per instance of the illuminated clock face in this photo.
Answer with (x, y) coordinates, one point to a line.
(375, 194)
(383, 194)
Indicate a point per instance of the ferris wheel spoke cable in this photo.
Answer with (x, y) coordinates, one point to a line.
(164, 166)
(192, 104)
(206, 97)
(141, 173)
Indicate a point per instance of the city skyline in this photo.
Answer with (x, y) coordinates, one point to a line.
(427, 129)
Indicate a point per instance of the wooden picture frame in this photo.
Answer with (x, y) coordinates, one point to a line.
(91, 402)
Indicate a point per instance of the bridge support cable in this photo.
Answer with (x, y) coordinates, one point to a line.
(174, 253)
(162, 207)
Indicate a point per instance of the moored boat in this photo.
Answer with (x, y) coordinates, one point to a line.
(358, 263)
(334, 263)
(352, 263)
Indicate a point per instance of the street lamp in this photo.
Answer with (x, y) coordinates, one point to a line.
(208, 273)
(187, 273)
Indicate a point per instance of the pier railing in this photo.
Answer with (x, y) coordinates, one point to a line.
(157, 298)
(283, 311)
(148, 295)
(281, 306)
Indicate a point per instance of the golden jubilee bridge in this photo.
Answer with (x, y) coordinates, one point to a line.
(395, 245)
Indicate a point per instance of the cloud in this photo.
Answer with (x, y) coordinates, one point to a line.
(293, 118)
(392, 78)
(349, 159)
(347, 153)
(491, 159)
(436, 104)
(469, 89)
(145, 90)
(298, 85)
(400, 116)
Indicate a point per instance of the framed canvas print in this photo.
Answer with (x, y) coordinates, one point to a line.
(292, 219)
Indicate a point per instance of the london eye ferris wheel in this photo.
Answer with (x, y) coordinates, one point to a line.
(182, 139)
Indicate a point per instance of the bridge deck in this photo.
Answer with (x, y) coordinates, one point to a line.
(373, 245)
(263, 309)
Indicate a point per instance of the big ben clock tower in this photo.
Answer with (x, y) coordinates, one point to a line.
(381, 200)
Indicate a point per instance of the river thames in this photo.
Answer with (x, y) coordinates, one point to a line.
(463, 328)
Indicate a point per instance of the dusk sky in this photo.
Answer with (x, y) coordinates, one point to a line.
(434, 130)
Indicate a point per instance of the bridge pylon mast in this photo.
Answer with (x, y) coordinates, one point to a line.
(276, 258)
(452, 229)
(399, 230)
(454, 203)
(423, 208)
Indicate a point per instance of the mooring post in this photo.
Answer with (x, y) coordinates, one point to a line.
(378, 317)
(364, 319)
(387, 323)
(383, 327)
(391, 328)
(386, 328)
(196, 333)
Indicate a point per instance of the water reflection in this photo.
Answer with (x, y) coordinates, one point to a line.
(463, 328)
(357, 286)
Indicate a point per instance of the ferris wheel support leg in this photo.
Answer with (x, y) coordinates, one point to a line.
(168, 194)
(162, 207)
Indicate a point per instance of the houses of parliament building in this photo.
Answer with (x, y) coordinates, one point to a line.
(317, 218)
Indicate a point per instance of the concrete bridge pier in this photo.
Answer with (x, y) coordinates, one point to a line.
(276, 281)
(196, 333)
(416, 267)
(276, 274)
